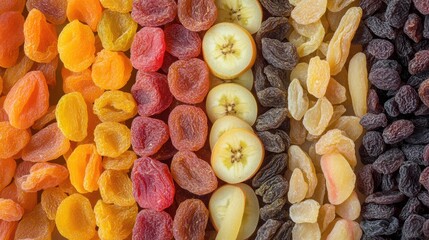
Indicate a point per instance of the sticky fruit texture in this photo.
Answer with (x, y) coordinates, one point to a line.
(326, 216)
(81, 82)
(12, 5)
(115, 106)
(16, 72)
(40, 43)
(84, 165)
(34, 225)
(147, 49)
(151, 93)
(350, 209)
(111, 70)
(317, 118)
(298, 187)
(76, 35)
(188, 127)
(116, 30)
(151, 224)
(313, 33)
(46, 145)
(49, 70)
(350, 125)
(27, 200)
(116, 188)
(340, 178)
(54, 11)
(299, 159)
(75, 218)
(11, 22)
(12, 140)
(308, 231)
(190, 220)
(336, 141)
(154, 13)
(10, 210)
(192, 173)
(148, 135)
(88, 13)
(318, 77)
(72, 116)
(51, 198)
(189, 80)
(124, 162)
(114, 222)
(306, 211)
(339, 46)
(336, 93)
(122, 6)
(153, 186)
(38, 176)
(112, 138)
(7, 229)
(358, 83)
(33, 93)
(7, 170)
(345, 229)
(181, 42)
(197, 15)
(309, 11)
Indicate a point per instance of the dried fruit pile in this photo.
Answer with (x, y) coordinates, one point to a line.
(394, 148)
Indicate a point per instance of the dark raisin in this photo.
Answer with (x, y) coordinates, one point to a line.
(413, 153)
(371, 121)
(424, 92)
(261, 81)
(373, 102)
(273, 189)
(389, 162)
(424, 178)
(420, 136)
(385, 78)
(426, 155)
(404, 49)
(272, 97)
(373, 143)
(420, 62)
(276, 210)
(420, 122)
(422, 45)
(422, 6)
(277, 7)
(426, 27)
(273, 27)
(365, 180)
(391, 107)
(407, 99)
(362, 35)
(415, 80)
(423, 196)
(271, 119)
(369, 7)
(389, 197)
(373, 211)
(380, 28)
(380, 48)
(276, 77)
(276, 165)
(413, 226)
(398, 131)
(425, 228)
(364, 156)
(388, 63)
(285, 231)
(414, 27)
(408, 179)
(275, 141)
(281, 55)
(397, 12)
(268, 229)
(374, 228)
(422, 110)
(388, 183)
(413, 206)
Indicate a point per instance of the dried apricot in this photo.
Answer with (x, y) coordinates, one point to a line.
(41, 176)
(182, 43)
(197, 15)
(10, 22)
(116, 187)
(115, 106)
(148, 135)
(72, 116)
(189, 80)
(50, 199)
(12, 140)
(7, 230)
(122, 6)
(12, 5)
(46, 119)
(112, 138)
(49, 70)
(54, 10)
(121, 163)
(154, 13)
(13, 74)
(7, 170)
(27, 200)
(33, 93)
(81, 82)
(116, 30)
(41, 40)
(10, 211)
(111, 70)
(148, 48)
(190, 220)
(188, 127)
(27, 229)
(88, 12)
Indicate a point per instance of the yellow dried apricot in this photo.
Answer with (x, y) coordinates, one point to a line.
(50, 199)
(72, 116)
(116, 30)
(116, 187)
(112, 139)
(115, 106)
(121, 163)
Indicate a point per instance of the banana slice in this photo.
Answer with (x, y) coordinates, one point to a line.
(231, 99)
(237, 155)
(218, 204)
(227, 206)
(245, 80)
(224, 124)
(229, 50)
(246, 13)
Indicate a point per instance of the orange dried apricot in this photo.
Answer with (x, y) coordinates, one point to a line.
(33, 94)
(35, 225)
(13, 74)
(12, 140)
(47, 118)
(7, 230)
(88, 12)
(10, 210)
(72, 116)
(111, 70)
(27, 200)
(7, 171)
(81, 82)
(10, 22)
(42, 176)
(50, 199)
(41, 39)
(49, 70)
(11, 5)
(3, 114)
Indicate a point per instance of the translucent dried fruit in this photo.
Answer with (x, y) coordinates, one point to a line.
(339, 46)
(148, 135)
(81, 82)
(10, 210)
(335, 141)
(320, 191)
(72, 116)
(33, 93)
(297, 133)
(190, 220)
(182, 43)
(112, 138)
(114, 222)
(188, 127)
(76, 35)
(123, 6)
(54, 11)
(298, 187)
(34, 225)
(75, 218)
(88, 13)
(153, 186)
(304, 212)
(7, 229)
(16, 72)
(121, 163)
(7, 169)
(297, 100)
(308, 231)
(197, 15)
(189, 80)
(307, 38)
(350, 125)
(47, 144)
(111, 70)
(318, 77)
(350, 208)
(326, 216)
(116, 188)
(84, 165)
(27, 200)
(317, 118)
(40, 176)
(152, 14)
(49, 70)
(115, 106)
(151, 224)
(345, 229)
(147, 49)
(11, 22)
(299, 159)
(51, 198)
(309, 11)
(116, 30)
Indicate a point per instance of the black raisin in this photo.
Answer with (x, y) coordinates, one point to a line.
(424, 92)
(369, 7)
(422, 6)
(273, 189)
(281, 55)
(425, 228)
(276, 164)
(413, 206)
(365, 180)
(420, 62)
(426, 27)
(408, 179)
(276, 77)
(389, 162)
(380, 48)
(404, 49)
(398, 131)
(276, 210)
(277, 7)
(374, 211)
(273, 27)
(391, 107)
(420, 136)
(413, 226)
(397, 12)
(380, 28)
(388, 183)
(374, 228)
(388, 63)
(373, 143)
(414, 27)
(371, 121)
(385, 78)
(268, 229)
(373, 102)
(272, 97)
(407, 99)
(275, 141)
(389, 197)
(364, 156)
(261, 81)
(415, 80)
(424, 178)
(362, 35)
(285, 231)
(271, 119)
(413, 153)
